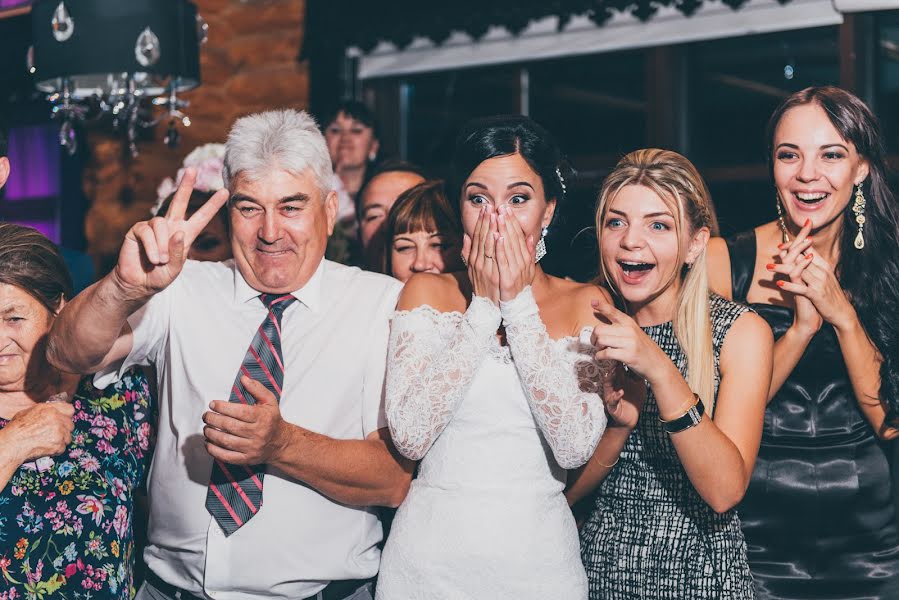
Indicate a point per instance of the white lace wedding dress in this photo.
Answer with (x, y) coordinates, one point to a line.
(494, 428)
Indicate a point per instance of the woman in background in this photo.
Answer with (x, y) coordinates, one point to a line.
(686, 415)
(819, 516)
(423, 233)
(213, 243)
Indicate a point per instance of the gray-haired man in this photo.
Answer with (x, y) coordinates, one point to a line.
(270, 372)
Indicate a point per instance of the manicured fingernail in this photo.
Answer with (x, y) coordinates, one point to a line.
(780, 283)
(770, 266)
(807, 222)
(781, 246)
(809, 256)
(809, 238)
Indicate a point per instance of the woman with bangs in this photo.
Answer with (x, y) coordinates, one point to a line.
(685, 407)
(423, 233)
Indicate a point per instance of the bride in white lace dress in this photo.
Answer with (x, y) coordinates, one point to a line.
(490, 386)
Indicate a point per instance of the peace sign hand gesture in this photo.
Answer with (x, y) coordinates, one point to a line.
(154, 251)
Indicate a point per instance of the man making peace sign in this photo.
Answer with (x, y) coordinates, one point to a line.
(272, 439)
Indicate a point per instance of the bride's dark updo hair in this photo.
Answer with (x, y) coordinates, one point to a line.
(504, 135)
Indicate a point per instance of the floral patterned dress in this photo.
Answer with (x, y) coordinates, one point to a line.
(65, 523)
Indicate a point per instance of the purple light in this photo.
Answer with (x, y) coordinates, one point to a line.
(34, 161)
(48, 228)
(13, 3)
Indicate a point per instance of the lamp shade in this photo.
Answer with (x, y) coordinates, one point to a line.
(99, 44)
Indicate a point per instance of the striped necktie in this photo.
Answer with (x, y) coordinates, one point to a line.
(234, 494)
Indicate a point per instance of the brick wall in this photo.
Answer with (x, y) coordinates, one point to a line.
(249, 64)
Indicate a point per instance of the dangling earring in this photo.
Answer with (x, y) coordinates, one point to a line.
(859, 209)
(785, 236)
(541, 246)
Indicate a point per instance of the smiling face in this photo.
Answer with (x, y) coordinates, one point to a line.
(378, 197)
(424, 252)
(815, 169)
(641, 249)
(351, 143)
(280, 224)
(507, 181)
(23, 330)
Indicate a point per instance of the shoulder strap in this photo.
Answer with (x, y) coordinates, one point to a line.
(742, 250)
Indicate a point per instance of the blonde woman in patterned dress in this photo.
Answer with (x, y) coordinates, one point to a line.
(686, 410)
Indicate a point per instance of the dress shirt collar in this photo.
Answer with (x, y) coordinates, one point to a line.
(310, 294)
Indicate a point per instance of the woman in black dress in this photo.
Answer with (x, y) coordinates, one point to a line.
(819, 517)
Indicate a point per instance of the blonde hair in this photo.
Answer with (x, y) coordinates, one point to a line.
(677, 182)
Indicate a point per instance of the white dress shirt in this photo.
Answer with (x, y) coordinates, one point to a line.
(334, 341)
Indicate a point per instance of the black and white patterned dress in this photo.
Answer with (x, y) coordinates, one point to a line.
(650, 534)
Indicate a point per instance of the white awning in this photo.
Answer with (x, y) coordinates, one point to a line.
(541, 40)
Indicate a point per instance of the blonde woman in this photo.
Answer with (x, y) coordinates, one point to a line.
(686, 409)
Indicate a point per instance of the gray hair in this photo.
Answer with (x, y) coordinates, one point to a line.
(286, 140)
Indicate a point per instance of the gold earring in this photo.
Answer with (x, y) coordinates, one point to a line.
(859, 209)
(784, 235)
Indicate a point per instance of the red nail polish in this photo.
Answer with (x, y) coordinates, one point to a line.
(770, 266)
(780, 283)
(808, 222)
(781, 246)
(809, 256)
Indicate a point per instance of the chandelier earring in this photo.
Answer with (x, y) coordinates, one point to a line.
(540, 250)
(859, 209)
(784, 234)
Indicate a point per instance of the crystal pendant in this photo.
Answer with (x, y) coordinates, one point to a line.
(202, 30)
(859, 240)
(62, 23)
(146, 50)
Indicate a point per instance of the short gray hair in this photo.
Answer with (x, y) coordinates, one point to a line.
(287, 140)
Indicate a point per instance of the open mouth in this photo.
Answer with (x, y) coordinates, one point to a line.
(810, 199)
(634, 271)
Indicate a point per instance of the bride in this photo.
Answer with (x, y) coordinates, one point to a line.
(491, 387)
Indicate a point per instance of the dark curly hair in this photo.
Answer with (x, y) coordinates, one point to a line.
(869, 276)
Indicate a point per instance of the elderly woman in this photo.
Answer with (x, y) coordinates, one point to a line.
(423, 234)
(70, 454)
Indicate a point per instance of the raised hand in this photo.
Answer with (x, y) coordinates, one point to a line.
(795, 257)
(618, 337)
(818, 284)
(154, 251)
(246, 434)
(515, 255)
(479, 251)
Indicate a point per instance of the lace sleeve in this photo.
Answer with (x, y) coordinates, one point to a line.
(561, 379)
(429, 369)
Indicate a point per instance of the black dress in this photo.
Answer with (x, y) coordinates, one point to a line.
(818, 517)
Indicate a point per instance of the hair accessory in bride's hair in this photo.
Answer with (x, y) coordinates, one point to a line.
(208, 160)
(561, 180)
